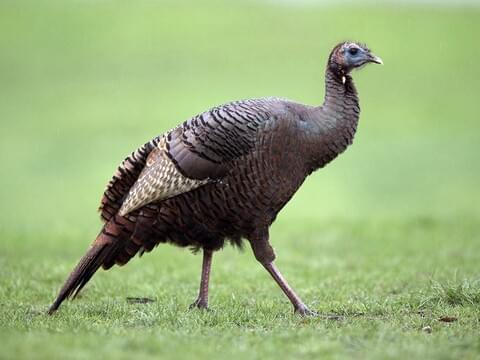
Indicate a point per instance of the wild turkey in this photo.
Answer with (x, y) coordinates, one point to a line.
(224, 175)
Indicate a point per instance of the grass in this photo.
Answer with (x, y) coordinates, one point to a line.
(386, 237)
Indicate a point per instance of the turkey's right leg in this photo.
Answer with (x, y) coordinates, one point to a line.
(202, 300)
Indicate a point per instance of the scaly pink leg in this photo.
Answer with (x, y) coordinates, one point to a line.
(202, 300)
(298, 305)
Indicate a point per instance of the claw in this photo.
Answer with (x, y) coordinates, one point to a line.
(199, 304)
(304, 311)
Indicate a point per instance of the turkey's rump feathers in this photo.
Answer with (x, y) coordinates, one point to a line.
(123, 179)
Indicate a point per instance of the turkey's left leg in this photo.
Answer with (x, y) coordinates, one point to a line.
(265, 255)
(202, 300)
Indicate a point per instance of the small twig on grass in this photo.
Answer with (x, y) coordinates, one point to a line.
(139, 300)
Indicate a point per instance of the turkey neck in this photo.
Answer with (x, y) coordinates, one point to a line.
(340, 97)
(333, 125)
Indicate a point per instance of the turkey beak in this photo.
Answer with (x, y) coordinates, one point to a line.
(375, 59)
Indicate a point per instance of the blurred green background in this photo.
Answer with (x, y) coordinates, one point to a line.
(83, 83)
(86, 82)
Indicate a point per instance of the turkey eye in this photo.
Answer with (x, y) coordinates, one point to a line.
(353, 51)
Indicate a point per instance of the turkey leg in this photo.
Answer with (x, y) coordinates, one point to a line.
(298, 305)
(265, 255)
(202, 300)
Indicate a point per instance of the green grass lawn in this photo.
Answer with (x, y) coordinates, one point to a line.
(387, 236)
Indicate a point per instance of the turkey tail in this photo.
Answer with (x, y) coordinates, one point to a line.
(104, 247)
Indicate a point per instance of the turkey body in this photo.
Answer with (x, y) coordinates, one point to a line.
(222, 175)
(253, 190)
(280, 150)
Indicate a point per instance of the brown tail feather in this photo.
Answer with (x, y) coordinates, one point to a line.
(88, 265)
(114, 245)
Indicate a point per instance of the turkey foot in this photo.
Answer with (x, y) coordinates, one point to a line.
(305, 311)
(199, 304)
